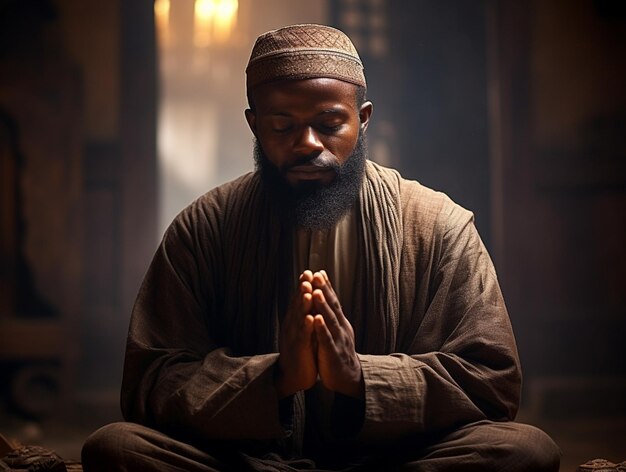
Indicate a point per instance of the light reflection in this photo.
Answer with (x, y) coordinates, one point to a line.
(162, 19)
(214, 20)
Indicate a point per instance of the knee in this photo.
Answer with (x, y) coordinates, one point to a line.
(529, 448)
(104, 449)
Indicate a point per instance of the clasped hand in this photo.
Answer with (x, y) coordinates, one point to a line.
(317, 340)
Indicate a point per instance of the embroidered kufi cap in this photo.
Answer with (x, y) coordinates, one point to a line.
(304, 52)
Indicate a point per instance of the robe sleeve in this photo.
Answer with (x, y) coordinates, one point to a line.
(459, 361)
(176, 378)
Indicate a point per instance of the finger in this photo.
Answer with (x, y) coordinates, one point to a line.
(305, 330)
(321, 281)
(309, 322)
(322, 308)
(326, 278)
(318, 280)
(300, 321)
(303, 305)
(302, 302)
(330, 295)
(307, 276)
(323, 334)
(307, 304)
(306, 287)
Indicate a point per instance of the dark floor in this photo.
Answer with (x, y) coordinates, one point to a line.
(580, 439)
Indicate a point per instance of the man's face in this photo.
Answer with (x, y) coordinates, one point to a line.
(307, 128)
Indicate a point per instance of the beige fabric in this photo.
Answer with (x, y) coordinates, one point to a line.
(333, 250)
(303, 52)
(431, 328)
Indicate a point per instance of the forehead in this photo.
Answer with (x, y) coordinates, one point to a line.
(312, 95)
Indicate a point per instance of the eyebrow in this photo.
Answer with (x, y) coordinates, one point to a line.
(332, 110)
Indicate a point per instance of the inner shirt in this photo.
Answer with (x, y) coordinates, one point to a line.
(333, 250)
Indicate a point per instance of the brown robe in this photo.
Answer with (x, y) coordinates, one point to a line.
(432, 331)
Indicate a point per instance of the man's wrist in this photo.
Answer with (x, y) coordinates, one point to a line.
(355, 389)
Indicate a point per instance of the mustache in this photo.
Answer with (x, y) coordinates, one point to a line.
(323, 161)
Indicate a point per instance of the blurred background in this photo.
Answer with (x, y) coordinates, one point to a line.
(114, 115)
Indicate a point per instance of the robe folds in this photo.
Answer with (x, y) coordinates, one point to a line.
(431, 329)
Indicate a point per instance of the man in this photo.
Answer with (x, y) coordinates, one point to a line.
(321, 313)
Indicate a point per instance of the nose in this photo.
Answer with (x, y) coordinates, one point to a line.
(307, 142)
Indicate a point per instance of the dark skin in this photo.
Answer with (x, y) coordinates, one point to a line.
(296, 122)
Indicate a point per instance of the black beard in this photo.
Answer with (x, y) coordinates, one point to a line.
(312, 205)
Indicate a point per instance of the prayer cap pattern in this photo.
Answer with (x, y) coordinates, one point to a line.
(304, 52)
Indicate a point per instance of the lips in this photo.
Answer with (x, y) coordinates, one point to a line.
(310, 172)
(310, 168)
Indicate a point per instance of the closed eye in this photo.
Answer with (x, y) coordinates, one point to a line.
(281, 125)
(281, 129)
(330, 128)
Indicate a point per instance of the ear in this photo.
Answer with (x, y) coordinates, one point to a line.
(365, 113)
(251, 119)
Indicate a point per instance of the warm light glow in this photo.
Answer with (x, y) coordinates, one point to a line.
(225, 19)
(214, 20)
(162, 19)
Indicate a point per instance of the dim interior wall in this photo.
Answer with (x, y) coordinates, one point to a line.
(431, 89)
(90, 31)
(577, 71)
(113, 44)
(91, 36)
(40, 107)
(564, 182)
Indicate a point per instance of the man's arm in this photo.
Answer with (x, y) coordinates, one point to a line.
(176, 377)
(457, 362)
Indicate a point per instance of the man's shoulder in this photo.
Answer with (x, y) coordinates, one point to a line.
(213, 206)
(225, 192)
(221, 196)
(420, 204)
